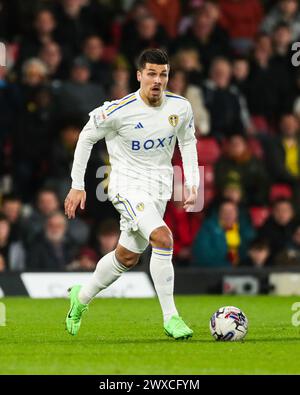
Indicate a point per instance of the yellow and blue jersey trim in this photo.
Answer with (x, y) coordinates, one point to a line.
(120, 103)
(173, 96)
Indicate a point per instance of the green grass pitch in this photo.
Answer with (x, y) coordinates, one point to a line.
(125, 336)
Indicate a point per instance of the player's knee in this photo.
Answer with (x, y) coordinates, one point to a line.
(162, 238)
(128, 259)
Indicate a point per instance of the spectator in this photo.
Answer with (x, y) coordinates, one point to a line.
(52, 249)
(12, 253)
(281, 63)
(47, 203)
(86, 261)
(121, 82)
(282, 40)
(12, 210)
(232, 192)
(241, 20)
(62, 157)
(191, 7)
(286, 11)
(283, 154)
(268, 92)
(106, 238)
(78, 19)
(10, 110)
(188, 61)
(167, 13)
(212, 8)
(51, 55)
(79, 96)
(74, 24)
(222, 240)
(278, 228)
(43, 32)
(138, 11)
(93, 51)
(33, 130)
(34, 72)
(240, 75)
(240, 79)
(258, 254)
(149, 34)
(178, 83)
(238, 165)
(5, 19)
(117, 92)
(206, 37)
(219, 94)
(290, 255)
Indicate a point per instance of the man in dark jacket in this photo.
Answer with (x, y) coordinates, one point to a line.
(228, 109)
(206, 36)
(283, 152)
(52, 249)
(239, 166)
(278, 228)
(290, 255)
(78, 96)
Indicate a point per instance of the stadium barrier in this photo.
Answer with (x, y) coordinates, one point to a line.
(138, 284)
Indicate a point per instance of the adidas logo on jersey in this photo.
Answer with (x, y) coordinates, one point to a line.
(139, 126)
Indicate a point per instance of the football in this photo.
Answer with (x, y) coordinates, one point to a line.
(228, 323)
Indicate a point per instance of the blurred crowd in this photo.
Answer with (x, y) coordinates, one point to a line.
(230, 58)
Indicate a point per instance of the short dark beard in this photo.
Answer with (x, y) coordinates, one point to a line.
(155, 102)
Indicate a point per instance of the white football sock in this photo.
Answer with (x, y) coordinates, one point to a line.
(107, 271)
(162, 272)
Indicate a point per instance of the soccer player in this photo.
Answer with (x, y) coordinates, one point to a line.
(140, 131)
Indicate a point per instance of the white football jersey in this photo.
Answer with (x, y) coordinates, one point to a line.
(140, 140)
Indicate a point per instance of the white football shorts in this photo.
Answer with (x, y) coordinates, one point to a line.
(140, 215)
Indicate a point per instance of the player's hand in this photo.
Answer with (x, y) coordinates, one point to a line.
(72, 201)
(190, 202)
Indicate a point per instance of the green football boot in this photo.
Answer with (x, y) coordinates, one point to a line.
(177, 328)
(73, 319)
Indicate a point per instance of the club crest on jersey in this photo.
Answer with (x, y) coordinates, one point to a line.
(140, 206)
(173, 120)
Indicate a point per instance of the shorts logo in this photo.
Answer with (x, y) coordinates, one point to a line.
(173, 120)
(140, 206)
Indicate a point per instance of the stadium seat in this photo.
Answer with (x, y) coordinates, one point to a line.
(261, 124)
(208, 150)
(278, 191)
(258, 215)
